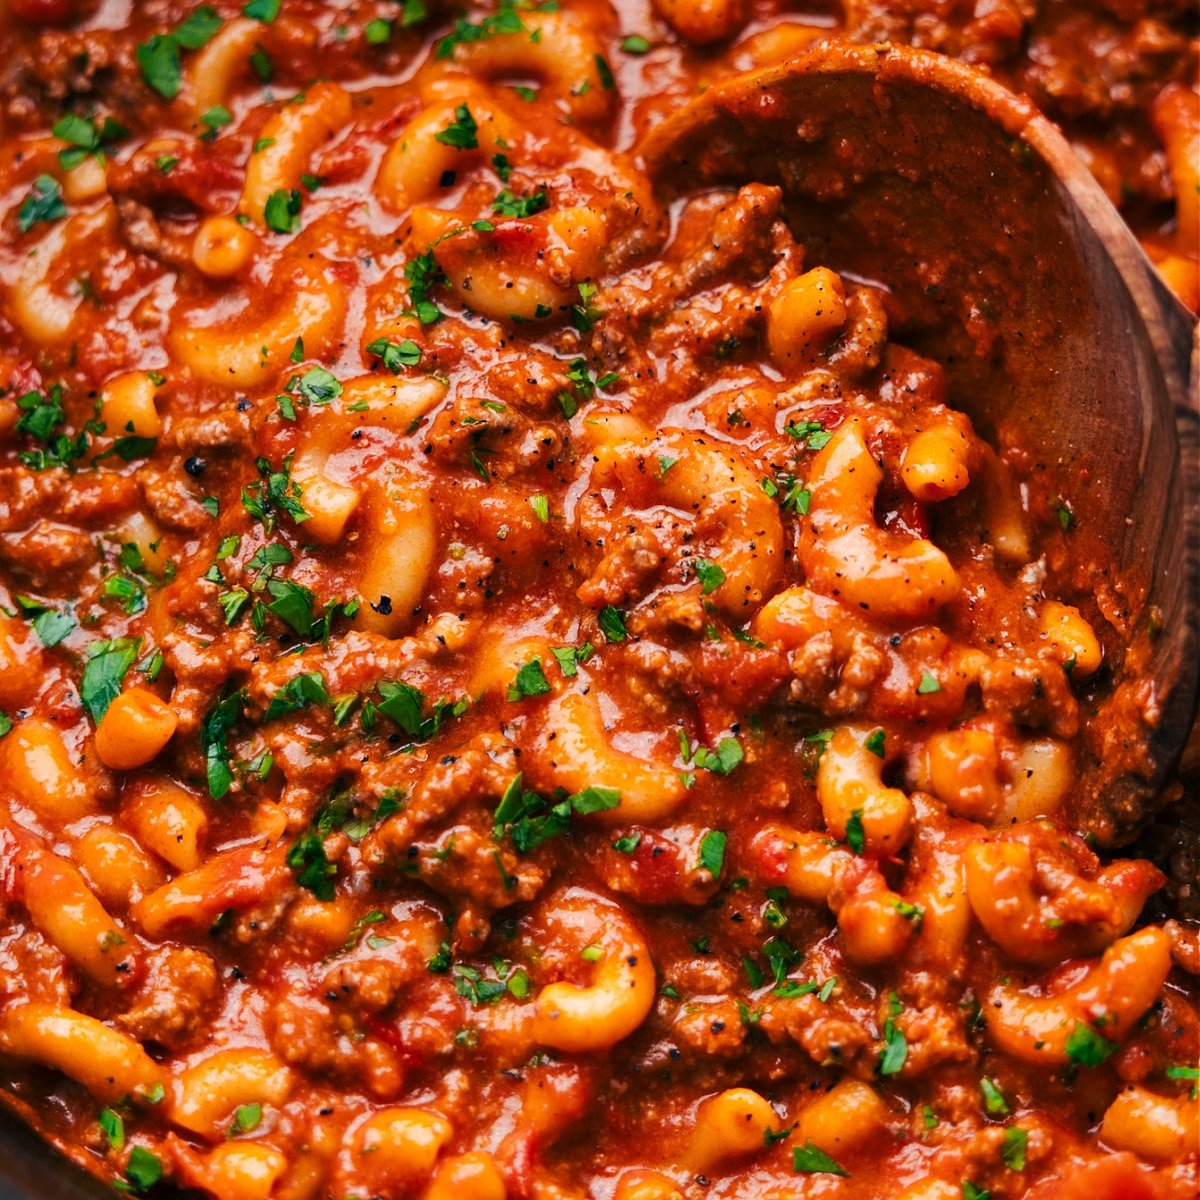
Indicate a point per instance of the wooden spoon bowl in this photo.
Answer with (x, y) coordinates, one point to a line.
(1005, 262)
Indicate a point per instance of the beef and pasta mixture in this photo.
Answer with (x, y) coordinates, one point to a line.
(515, 688)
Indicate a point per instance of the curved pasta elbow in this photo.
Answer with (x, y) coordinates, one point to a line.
(205, 1097)
(558, 52)
(417, 161)
(571, 750)
(728, 1125)
(850, 785)
(618, 997)
(289, 140)
(397, 558)
(109, 1064)
(1160, 1128)
(936, 463)
(392, 1153)
(846, 554)
(251, 348)
(1106, 1003)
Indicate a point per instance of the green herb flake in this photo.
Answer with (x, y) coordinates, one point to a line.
(895, 1045)
(1087, 1048)
(530, 681)
(313, 870)
(377, 31)
(262, 10)
(282, 210)
(508, 205)
(1013, 1149)
(143, 1170)
(993, 1098)
(712, 852)
(612, 624)
(462, 133)
(928, 684)
(44, 203)
(104, 672)
(247, 1117)
(395, 355)
(113, 1127)
(709, 573)
(198, 28)
(160, 65)
(812, 1160)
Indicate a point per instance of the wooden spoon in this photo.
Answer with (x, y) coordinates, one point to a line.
(1005, 262)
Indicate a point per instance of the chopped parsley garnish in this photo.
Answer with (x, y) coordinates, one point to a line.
(877, 743)
(505, 20)
(106, 667)
(910, 912)
(282, 210)
(274, 493)
(569, 658)
(318, 386)
(634, 43)
(928, 685)
(424, 274)
(298, 693)
(84, 138)
(895, 1045)
(810, 1159)
(113, 1127)
(584, 315)
(50, 624)
(855, 837)
(782, 958)
(710, 574)
(722, 760)
(508, 205)
(993, 1098)
(143, 1170)
(405, 704)
(377, 31)
(159, 62)
(604, 73)
(530, 681)
(627, 844)
(530, 819)
(1064, 514)
(198, 28)
(40, 419)
(1087, 1048)
(44, 203)
(612, 624)
(395, 355)
(246, 1117)
(811, 435)
(313, 870)
(1013, 1149)
(213, 119)
(463, 133)
(470, 984)
(214, 740)
(712, 852)
(541, 507)
(262, 10)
